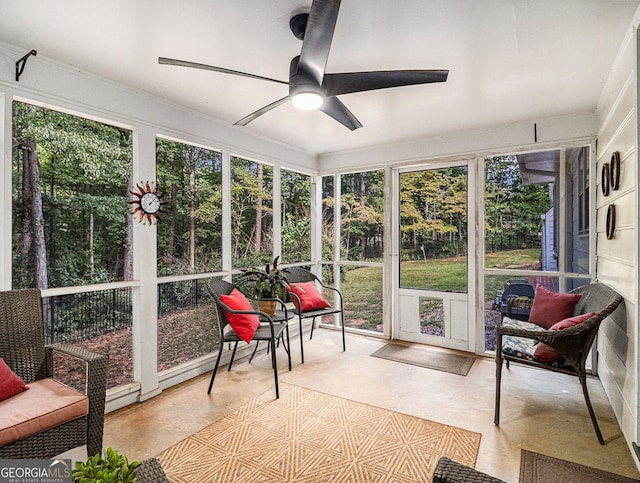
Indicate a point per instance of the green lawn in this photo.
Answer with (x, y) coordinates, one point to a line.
(362, 287)
(507, 259)
(512, 258)
(362, 292)
(444, 274)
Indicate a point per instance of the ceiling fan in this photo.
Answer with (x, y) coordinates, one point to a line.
(310, 87)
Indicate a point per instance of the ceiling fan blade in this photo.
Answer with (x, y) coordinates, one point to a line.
(334, 108)
(254, 115)
(222, 70)
(317, 37)
(348, 82)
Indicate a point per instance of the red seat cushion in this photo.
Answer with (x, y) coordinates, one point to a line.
(47, 404)
(551, 307)
(310, 297)
(245, 325)
(10, 383)
(543, 352)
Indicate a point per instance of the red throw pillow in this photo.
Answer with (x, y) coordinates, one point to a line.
(551, 307)
(544, 353)
(310, 298)
(10, 384)
(245, 325)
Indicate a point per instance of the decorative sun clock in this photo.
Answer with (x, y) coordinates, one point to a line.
(146, 202)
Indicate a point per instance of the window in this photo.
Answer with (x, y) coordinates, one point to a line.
(524, 231)
(577, 209)
(518, 209)
(296, 217)
(328, 222)
(582, 163)
(361, 202)
(251, 213)
(189, 234)
(361, 207)
(71, 221)
(72, 226)
(520, 229)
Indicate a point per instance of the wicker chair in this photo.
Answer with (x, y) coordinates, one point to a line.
(300, 275)
(22, 346)
(449, 471)
(573, 344)
(269, 330)
(150, 471)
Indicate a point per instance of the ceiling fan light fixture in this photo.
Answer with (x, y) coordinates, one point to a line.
(307, 101)
(310, 87)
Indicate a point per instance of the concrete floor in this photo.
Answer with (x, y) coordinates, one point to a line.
(541, 411)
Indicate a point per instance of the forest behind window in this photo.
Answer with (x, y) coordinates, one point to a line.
(251, 213)
(513, 209)
(296, 217)
(190, 232)
(362, 216)
(71, 221)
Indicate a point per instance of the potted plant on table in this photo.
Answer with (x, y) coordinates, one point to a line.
(270, 283)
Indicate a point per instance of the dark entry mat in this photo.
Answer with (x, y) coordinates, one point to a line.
(426, 357)
(538, 468)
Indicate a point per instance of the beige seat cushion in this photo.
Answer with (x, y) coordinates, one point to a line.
(46, 404)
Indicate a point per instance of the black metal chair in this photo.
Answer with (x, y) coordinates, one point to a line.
(270, 330)
(300, 275)
(516, 340)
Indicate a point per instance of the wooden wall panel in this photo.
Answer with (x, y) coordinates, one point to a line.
(616, 263)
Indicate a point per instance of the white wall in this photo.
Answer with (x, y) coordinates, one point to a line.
(526, 135)
(617, 264)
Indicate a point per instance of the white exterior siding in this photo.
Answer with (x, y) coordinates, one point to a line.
(616, 263)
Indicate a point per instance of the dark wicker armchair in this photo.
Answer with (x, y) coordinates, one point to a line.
(300, 275)
(449, 471)
(22, 346)
(573, 344)
(150, 471)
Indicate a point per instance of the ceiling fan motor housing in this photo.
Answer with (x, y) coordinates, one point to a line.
(301, 82)
(298, 24)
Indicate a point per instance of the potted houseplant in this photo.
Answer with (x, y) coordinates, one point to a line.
(113, 467)
(268, 283)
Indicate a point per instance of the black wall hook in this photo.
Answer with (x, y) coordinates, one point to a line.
(21, 63)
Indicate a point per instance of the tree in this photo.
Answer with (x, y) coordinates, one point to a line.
(296, 216)
(78, 171)
(250, 196)
(362, 209)
(433, 212)
(512, 208)
(189, 240)
(257, 244)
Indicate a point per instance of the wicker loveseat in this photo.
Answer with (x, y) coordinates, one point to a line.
(517, 341)
(49, 418)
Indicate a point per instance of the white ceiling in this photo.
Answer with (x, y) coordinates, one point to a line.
(509, 60)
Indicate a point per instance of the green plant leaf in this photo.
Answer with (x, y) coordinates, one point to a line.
(113, 468)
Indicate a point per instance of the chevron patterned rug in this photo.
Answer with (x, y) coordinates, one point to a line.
(308, 436)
